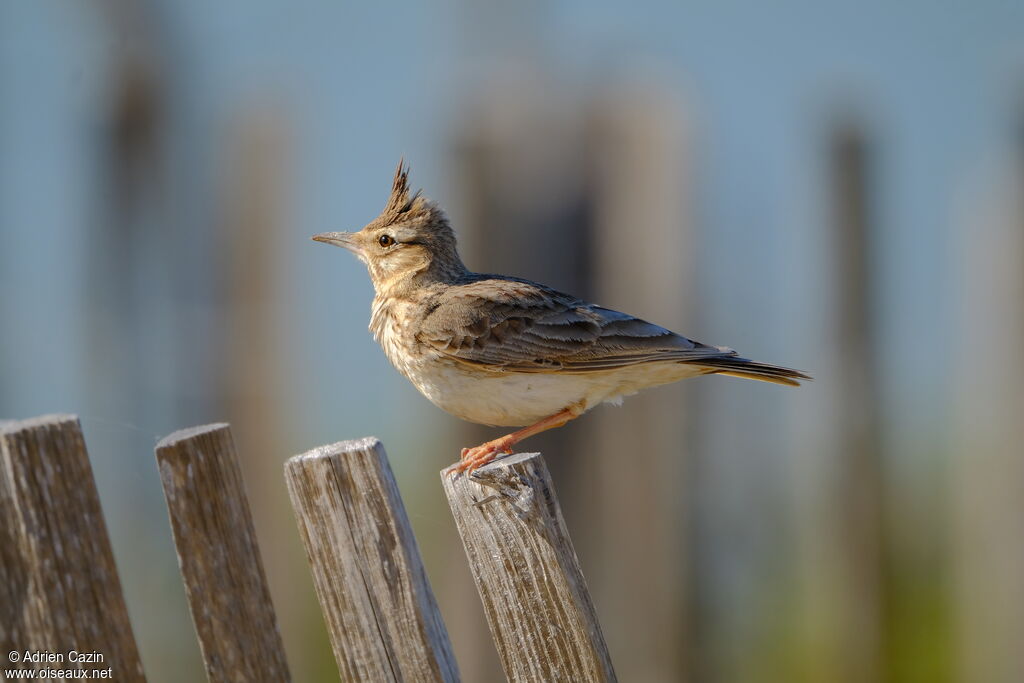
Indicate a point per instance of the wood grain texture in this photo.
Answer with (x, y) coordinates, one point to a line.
(219, 557)
(59, 588)
(381, 614)
(534, 594)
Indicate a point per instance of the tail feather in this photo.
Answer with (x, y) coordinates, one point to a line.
(734, 366)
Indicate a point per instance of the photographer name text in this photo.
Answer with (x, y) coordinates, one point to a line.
(48, 657)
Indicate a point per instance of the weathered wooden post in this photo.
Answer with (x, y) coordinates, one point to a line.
(219, 557)
(527, 574)
(381, 615)
(59, 588)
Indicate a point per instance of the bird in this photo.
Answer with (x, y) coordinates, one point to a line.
(504, 351)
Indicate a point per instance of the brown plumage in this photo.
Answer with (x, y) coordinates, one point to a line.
(502, 350)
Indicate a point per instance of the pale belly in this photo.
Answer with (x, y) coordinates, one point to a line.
(512, 399)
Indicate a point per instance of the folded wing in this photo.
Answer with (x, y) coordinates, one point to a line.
(514, 325)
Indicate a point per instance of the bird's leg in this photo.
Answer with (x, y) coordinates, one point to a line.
(478, 456)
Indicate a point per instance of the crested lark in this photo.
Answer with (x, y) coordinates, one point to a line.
(501, 350)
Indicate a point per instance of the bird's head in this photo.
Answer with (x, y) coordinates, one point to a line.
(410, 242)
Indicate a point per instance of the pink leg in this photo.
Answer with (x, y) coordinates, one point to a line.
(472, 458)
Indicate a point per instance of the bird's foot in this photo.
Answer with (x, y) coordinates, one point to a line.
(478, 456)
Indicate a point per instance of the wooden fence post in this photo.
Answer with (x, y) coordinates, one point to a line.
(381, 615)
(219, 557)
(526, 571)
(59, 588)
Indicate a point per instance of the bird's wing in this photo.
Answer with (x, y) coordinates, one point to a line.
(504, 324)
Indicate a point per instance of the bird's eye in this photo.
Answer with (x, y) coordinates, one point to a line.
(385, 240)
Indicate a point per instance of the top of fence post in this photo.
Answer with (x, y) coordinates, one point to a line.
(526, 571)
(219, 556)
(380, 611)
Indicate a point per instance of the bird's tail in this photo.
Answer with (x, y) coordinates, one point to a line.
(734, 366)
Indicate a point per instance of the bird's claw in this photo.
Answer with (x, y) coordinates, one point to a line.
(471, 459)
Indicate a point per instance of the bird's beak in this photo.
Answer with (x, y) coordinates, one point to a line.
(339, 239)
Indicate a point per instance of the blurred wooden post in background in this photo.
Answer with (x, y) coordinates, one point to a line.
(381, 615)
(125, 262)
(526, 571)
(859, 497)
(635, 455)
(988, 468)
(219, 556)
(523, 194)
(252, 250)
(59, 587)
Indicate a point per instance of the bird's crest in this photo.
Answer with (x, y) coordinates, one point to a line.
(400, 201)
